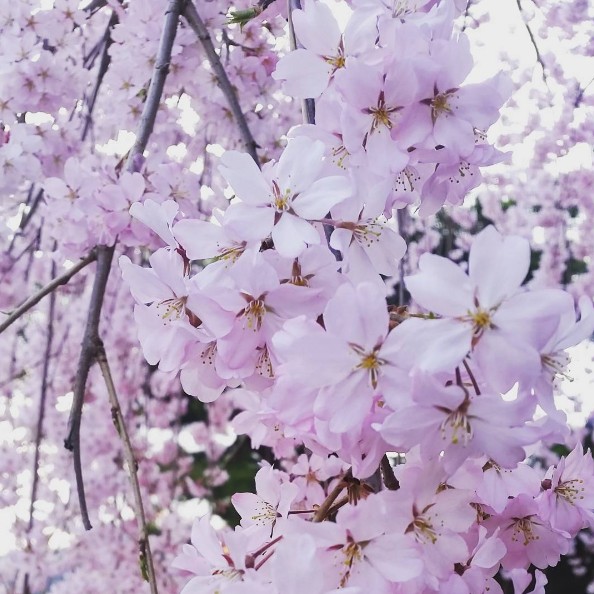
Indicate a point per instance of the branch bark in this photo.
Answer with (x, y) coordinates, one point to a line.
(92, 344)
(103, 67)
(390, 481)
(146, 556)
(324, 509)
(197, 24)
(49, 288)
(42, 399)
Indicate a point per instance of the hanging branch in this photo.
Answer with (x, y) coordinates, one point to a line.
(91, 344)
(308, 106)
(197, 24)
(146, 557)
(41, 413)
(324, 509)
(41, 416)
(49, 288)
(539, 58)
(103, 66)
(388, 476)
(580, 95)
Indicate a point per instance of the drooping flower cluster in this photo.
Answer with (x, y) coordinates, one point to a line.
(280, 302)
(273, 310)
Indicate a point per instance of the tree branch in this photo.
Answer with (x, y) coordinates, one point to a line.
(49, 288)
(92, 344)
(390, 480)
(323, 510)
(198, 26)
(40, 418)
(146, 557)
(103, 66)
(539, 58)
(308, 106)
(580, 95)
(41, 413)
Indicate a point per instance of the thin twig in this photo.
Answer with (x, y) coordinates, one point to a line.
(118, 417)
(41, 417)
(539, 58)
(103, 66)
(91, 344)
(388, 476)
(198, 26)
(323, 510)
(472, 378)
(308, 106)
(41, 412)
(49, 288)
(401, 218)
(579, 97)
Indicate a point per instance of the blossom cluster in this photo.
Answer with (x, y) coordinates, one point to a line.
(279, 303)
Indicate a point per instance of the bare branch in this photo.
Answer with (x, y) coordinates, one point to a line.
(88, 355)
(146, 556)
(92, 344)
(390, 480)
(103, 66)
(198, 26)
(539, 58)
(41, 412)
(49, 288)
(323, 510)
(308, 106)
(580, 95)
(402, 219)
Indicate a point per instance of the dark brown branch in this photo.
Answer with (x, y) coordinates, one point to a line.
(539, 58)
(402, 217)
(49, 288)
(390, 480)
(308, 106)
(92, 344)
(103, 66)
(41, 412)
(198, 26)
(131, 463)
(40, 418)
(88, 355)
(323, 510)
(472, 378)
(580, 95)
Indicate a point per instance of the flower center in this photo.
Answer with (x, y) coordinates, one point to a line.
(367, 233)
(423, 529)
(230, 253)
(523, 529)
(282, 199)
(266, 514)
(253, 312)
(230, 574)
(458, 424)
(264, 365)
(339, 155)
(370, 362)
(556, 364)
(381, 114)
(440, 105)
(336, 61)
(571, 490)
(352, 554)
(172, 309)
